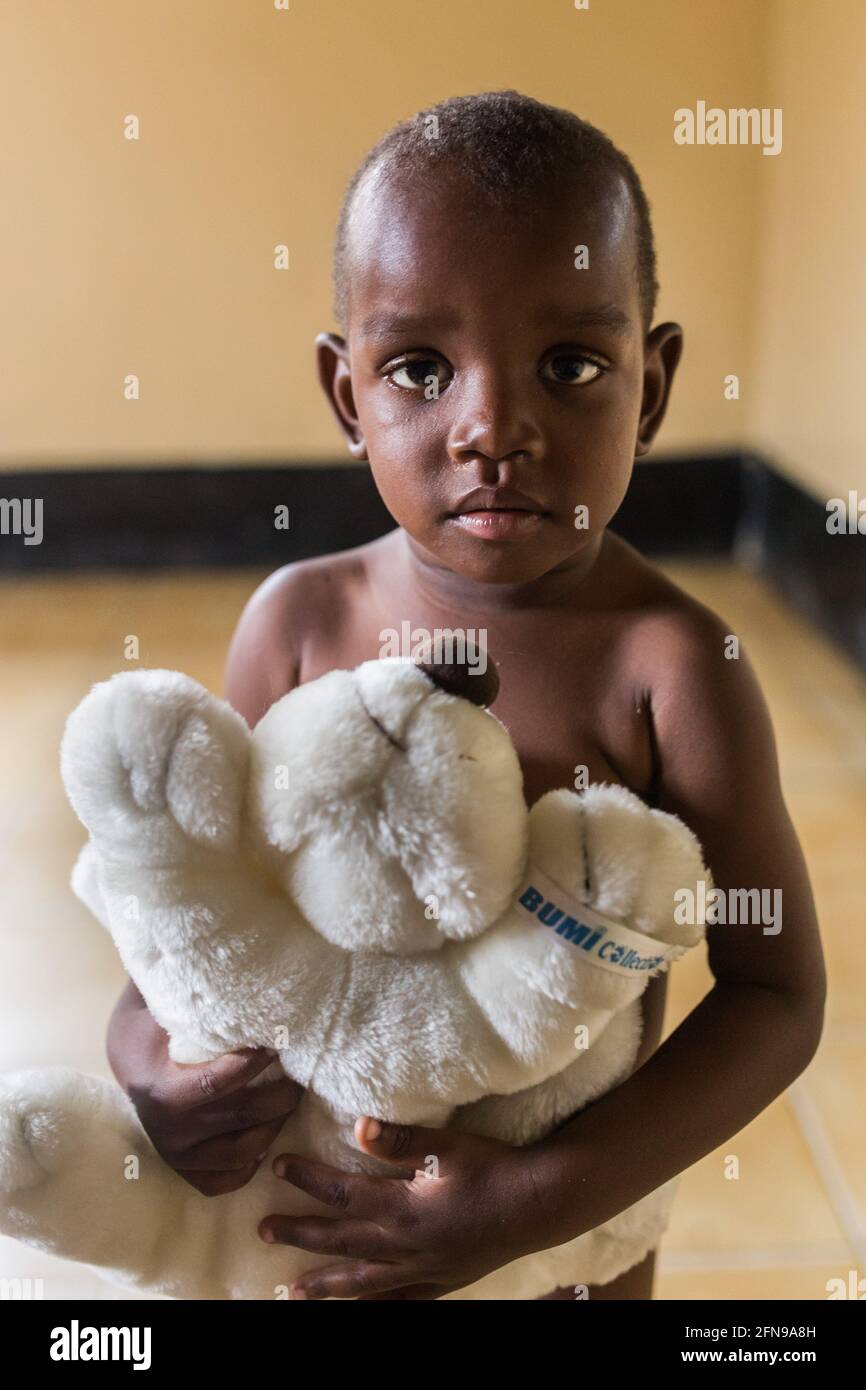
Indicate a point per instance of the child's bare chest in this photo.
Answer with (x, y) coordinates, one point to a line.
(572, 707)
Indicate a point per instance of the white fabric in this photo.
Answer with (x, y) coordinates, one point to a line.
(340, 884)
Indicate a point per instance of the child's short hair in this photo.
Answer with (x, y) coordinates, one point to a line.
(507, 145)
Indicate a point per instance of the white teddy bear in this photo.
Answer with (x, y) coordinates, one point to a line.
(359, 884)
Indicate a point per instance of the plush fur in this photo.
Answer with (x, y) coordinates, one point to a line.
(343, 884)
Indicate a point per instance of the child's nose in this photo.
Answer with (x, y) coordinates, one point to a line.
(495, 419)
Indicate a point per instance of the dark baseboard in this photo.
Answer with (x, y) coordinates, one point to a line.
(162, 518)
(732, 504)
(782, 535)
(683, 506)
(168, 518)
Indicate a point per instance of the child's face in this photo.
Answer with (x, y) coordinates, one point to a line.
(547, 384)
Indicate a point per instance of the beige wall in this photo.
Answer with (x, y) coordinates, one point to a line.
(154, 257)
(809, 409)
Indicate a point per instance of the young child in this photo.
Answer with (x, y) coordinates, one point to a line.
(497, 380)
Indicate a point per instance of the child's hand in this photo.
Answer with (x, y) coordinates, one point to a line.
(416, 1238)
(206, 1121)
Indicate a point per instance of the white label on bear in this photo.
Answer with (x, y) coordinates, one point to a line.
(607, 943)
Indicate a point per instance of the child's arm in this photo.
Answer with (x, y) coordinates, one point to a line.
(760, 1024)
(749, 1038)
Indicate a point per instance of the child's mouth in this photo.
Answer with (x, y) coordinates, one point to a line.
(498, 513)
(499, 523)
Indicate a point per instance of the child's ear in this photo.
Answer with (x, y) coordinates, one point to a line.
(664, 345)
(332, 364)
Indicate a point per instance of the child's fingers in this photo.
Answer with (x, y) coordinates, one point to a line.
(349, 1281)
(357, 1194)
(411, 1291)
(208, 1081)
(409, 1146)
(325, 1235)
(177, 1134)
(244, 1109)
(231, 1152)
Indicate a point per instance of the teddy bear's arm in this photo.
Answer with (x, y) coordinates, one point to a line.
(554, 970)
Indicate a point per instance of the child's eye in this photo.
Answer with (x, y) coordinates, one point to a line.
(428, 375)
(419, 374)
(573, 369)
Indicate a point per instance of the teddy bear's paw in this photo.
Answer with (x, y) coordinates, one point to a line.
(78, 1174)
(677, 882)
(20, 1168)
(154, 746)
(638, 863)
(49, 1119)
(595, 845)
(608, 849)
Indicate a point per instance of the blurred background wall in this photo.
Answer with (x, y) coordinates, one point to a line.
(155, 256)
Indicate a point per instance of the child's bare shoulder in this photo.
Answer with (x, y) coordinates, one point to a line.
(666, 632)
(288, 606)
(719, 772)
(710, 717)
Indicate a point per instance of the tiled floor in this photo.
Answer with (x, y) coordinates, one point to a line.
(795, 1217)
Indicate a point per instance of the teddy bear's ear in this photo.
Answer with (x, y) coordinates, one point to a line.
(207, 774)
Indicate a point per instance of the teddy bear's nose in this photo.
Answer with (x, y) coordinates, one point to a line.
(468, 678)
